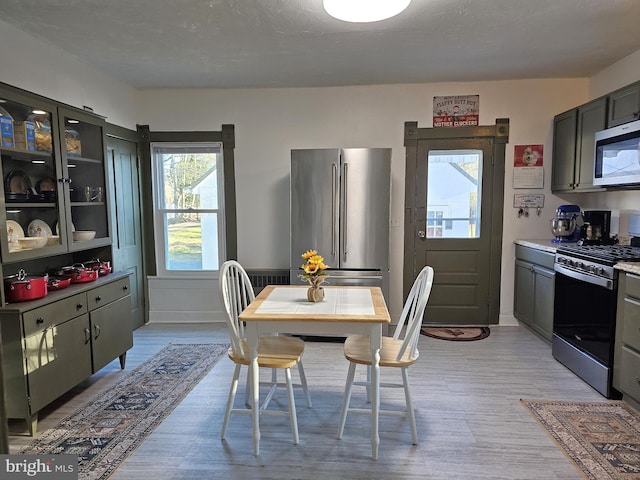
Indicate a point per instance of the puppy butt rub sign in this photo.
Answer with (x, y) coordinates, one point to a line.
(39, 467)
(456, 110)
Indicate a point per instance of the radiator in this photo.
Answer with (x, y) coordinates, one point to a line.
(262, 278)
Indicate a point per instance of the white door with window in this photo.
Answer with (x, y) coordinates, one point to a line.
(455, 185)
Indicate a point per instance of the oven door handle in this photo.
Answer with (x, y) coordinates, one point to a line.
(584, 277)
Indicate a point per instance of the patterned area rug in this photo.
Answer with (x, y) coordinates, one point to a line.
(105, 431)
(459, 334)
(602, 439)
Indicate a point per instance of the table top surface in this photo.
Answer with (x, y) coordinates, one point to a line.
(341, 304)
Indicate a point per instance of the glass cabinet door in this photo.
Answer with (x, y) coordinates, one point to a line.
(31, 184)
(83, 165)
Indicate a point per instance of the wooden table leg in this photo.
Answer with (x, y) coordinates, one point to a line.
(252, 341)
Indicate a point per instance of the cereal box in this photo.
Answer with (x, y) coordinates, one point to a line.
(24, 134)
(6, 131)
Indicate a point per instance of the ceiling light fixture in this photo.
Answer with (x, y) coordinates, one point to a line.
(363, 11)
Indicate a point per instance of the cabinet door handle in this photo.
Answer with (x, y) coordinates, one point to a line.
(39, 320)
(87, 335)
(98, 298)
(638, 380)
(125, 288)
(79, 306)
(96, 328)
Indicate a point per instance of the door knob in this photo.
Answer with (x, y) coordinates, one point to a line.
(421, 234)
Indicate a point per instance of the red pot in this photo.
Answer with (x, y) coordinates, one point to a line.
(22, 287)
(58, 282)
(102, 267)
(79, 273)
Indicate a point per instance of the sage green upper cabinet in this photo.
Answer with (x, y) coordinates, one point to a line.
(624, 105)
(32, 192)
(54, 171)
(84, 170)
(565, 128)
(591, 119)
(574, 146)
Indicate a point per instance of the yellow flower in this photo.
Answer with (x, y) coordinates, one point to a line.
(313, 267)
(316, 259)
(308, 254)
(310, 268)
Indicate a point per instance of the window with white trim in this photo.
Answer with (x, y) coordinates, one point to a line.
(188, 185)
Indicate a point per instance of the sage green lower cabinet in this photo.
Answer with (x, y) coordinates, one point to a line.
(52, 344)
(626, 371)
(534, 287)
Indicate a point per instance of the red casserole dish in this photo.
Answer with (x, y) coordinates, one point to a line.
(22, 287)
(102, 267)
(58, 282)
(78, 273)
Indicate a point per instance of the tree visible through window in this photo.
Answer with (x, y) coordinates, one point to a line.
(188, 205)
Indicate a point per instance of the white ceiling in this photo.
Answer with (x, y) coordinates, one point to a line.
(294, 43)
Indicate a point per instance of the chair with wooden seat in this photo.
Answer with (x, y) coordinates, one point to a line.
(275, 352)
(399, 351)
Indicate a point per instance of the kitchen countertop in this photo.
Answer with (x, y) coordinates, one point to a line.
(630, 267)
(551, 247)
(545, 245)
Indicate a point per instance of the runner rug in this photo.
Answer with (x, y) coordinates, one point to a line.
(459, 334)
(601, 439)
(105, 431)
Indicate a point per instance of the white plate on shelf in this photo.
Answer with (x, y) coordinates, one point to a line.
(55, 228)
(39, 228)
(14, 232)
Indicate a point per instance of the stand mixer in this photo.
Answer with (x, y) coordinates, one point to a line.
(566, 224)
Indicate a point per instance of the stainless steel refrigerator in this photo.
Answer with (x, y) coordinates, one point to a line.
(340, 207)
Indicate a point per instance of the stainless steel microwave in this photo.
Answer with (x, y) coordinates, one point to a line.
(617, 159)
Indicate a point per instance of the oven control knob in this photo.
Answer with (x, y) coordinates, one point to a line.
(580, 265)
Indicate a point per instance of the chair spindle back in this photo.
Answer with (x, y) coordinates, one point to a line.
(236, 293)
(413, 311)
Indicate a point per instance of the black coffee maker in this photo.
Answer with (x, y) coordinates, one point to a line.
(597, 228)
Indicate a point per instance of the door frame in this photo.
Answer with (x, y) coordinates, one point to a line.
(499, 134)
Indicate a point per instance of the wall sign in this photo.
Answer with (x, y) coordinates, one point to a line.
(456, 110)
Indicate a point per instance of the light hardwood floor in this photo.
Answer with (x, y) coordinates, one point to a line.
(471, 424)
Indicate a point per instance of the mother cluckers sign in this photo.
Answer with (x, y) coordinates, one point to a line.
(456, 110)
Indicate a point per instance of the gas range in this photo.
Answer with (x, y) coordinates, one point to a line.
(585, 310)
(594, 263)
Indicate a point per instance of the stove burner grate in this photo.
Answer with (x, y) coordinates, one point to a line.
(610, 254)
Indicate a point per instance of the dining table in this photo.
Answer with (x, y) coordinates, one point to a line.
(285, 309)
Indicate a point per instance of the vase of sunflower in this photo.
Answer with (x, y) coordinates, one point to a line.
(314, 273)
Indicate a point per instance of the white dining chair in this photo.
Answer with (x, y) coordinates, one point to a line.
(275, 352)
(399, 351)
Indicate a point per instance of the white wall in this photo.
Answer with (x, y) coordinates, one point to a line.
(270, 122)
(38, 67)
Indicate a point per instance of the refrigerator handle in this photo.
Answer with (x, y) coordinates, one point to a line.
(343, 227)
(334, 213)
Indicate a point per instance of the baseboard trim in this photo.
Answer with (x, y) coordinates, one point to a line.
(186, 317)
